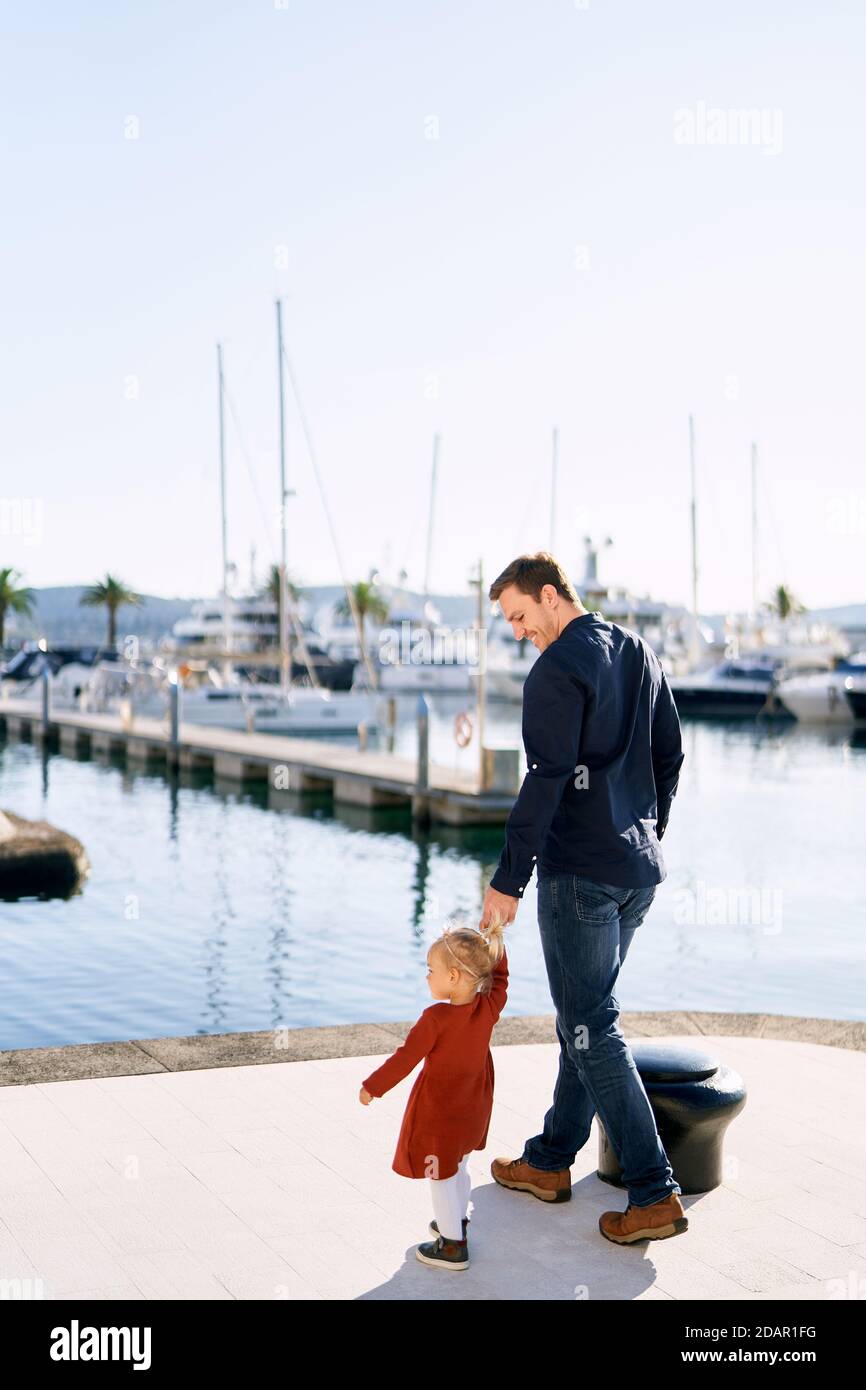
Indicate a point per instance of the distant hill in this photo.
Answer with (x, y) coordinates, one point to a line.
(59, 617)
(846, 615)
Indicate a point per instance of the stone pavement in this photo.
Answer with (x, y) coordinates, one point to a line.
(271, 1181)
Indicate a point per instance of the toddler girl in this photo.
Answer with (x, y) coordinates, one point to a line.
(448, 1111)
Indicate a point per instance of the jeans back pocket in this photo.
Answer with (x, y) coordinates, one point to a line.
(597, 902)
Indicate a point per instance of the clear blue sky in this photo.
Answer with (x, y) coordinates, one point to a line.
(726, 280)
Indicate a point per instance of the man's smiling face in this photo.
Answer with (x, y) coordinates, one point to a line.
(535, 619)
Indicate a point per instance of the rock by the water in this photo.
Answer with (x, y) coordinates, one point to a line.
(38, 859)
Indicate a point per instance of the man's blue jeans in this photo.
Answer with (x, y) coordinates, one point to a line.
(586, 929)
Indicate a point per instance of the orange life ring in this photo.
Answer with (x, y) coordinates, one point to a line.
(462, 730)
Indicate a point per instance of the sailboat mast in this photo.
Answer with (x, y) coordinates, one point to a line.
(754, 529)
(482, 661)
(285, 641)
(553, 467)
(227, 634)
(693, 645)
(430, 519)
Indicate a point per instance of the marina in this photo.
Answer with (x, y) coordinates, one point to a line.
(215, 905)
(357, 777)
(432, 677)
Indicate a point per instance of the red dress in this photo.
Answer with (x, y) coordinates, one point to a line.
(449, 1107)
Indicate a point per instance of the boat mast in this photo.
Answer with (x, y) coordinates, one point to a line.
(693, 645)
(227, 634)
(482, 661)
(754, 530)
(285, 640)
(553, 467)
(430, 519)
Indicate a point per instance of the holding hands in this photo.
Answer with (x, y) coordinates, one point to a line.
(497, 907)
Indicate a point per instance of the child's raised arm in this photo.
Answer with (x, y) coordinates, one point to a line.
(499, 989)
(419, 1040)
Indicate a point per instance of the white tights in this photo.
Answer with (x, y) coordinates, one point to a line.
(450, 1200)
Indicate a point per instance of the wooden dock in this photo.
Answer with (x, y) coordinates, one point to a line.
(360, 778)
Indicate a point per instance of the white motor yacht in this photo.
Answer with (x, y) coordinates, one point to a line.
(739, 687)
(235, 703)
(827, 697)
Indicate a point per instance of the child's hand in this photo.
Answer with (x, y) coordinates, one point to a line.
(365, 1097)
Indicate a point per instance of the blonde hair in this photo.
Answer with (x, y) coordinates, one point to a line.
(474, 952)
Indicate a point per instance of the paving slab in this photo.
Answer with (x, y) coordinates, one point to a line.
(269, 1180)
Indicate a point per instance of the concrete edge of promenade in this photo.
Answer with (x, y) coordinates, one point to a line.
(140, 1056)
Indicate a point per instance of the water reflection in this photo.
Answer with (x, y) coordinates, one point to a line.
(262, 909)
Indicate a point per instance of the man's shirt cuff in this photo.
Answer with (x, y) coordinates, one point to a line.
(512, 887)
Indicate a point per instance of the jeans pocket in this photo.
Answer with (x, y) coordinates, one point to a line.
(638, 906)
(596, 902)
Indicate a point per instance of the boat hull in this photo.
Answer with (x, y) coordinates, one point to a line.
(733, 702)
(821, 700)
(426, 676)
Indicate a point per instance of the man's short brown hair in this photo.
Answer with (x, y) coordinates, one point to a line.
(529, 574)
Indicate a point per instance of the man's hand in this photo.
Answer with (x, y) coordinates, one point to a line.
(364, 1096)
(497, 907)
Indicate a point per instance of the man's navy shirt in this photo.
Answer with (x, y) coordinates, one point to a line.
(603, 755)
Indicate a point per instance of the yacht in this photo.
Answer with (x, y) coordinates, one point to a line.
(253, 625)
(240, 704)
(230, 701)
(741, 687)
(416, 652)
(69, 668)
(837, 696)
(254, 630)
(856, 697)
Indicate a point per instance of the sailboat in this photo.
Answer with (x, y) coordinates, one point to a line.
(228, 699)
(417, 652)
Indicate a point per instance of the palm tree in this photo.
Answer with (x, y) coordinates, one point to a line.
(113, 593)
(271, 587)
(785, 603)
(369, 603)
(13, 599)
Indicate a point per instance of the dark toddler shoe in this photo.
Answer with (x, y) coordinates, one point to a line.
(445, 1254)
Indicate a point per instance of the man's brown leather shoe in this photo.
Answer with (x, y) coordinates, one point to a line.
(547, 1186)
(655, 1222)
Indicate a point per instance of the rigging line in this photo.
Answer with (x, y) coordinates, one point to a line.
(206, 388)
(305, 655)
(248, 463)
(299, 633)
(353, 606)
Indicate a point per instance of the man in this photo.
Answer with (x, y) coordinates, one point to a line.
(603, 755)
